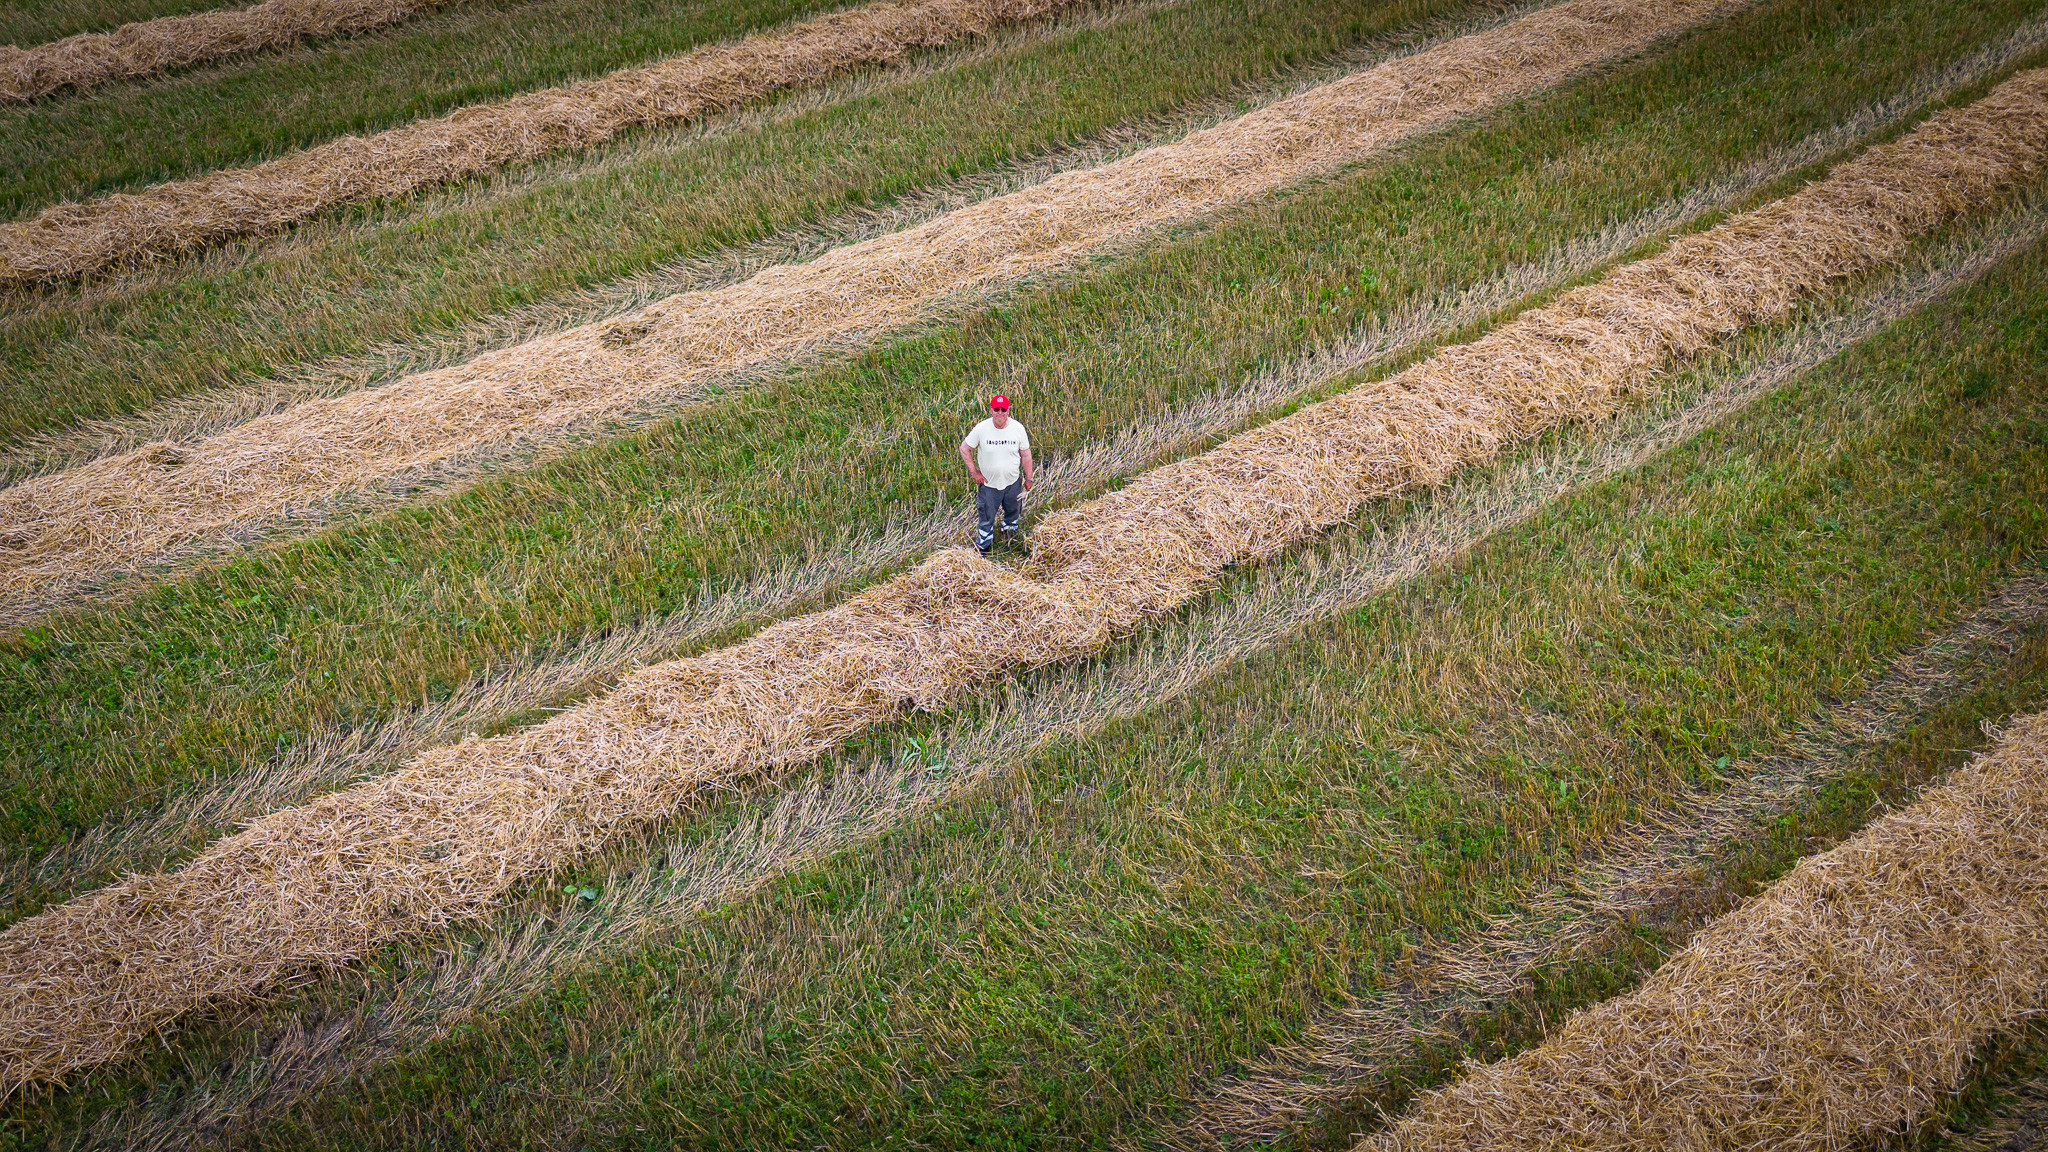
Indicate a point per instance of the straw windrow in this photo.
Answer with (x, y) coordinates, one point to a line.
(151, 46)
(126, 511)
(69, 240)
(462, 825)
(1843, 1003)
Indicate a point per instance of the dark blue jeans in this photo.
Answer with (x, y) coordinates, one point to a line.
(987, 501)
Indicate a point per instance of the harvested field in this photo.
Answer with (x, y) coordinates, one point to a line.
(70, 240)
(127, 511)
(459, 828)
(1843, 1004)
(152, 46)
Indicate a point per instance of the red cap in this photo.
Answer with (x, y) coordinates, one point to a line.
(1000, 403)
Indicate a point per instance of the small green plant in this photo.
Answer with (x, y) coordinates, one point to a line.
(923, 750)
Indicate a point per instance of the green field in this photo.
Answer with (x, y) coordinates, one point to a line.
(1099, 904)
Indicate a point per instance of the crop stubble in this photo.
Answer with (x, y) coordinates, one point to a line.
(70, 240)
(147, 47)
(124, 512)
(1844, 1002)
(463, 824)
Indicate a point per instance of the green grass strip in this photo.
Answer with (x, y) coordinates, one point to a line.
(200, 677)
(1137, 912)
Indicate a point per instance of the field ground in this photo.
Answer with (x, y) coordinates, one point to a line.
(1144, 900)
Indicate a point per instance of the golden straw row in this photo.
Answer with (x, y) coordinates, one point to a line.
(68, 240)
(151, 46)
(461, 825)
(130, 510)
(1841, 1005)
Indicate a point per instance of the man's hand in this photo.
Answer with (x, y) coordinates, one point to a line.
(1027, 483)
(978, 477)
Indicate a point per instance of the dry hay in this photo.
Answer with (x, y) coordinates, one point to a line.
(151, 46)
(461, 825)
(1843, 1003)
(124, 512)
(69, 240)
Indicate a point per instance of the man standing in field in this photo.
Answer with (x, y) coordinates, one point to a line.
(998, 456)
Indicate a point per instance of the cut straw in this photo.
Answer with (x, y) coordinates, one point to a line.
(148, 47)
(462, 825)
(126, 512)
(1841, 1005)
(70, 240)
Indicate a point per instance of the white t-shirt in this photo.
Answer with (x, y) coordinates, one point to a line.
(997, 451)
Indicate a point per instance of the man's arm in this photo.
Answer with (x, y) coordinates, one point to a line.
(967, 458)
(1024, 457)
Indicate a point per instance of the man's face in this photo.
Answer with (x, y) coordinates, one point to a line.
(1002, 417)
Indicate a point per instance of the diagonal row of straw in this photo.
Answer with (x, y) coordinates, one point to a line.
(68, 240)
(130, 510)
(1842, 1004)
(151, 46)
(460, 826)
